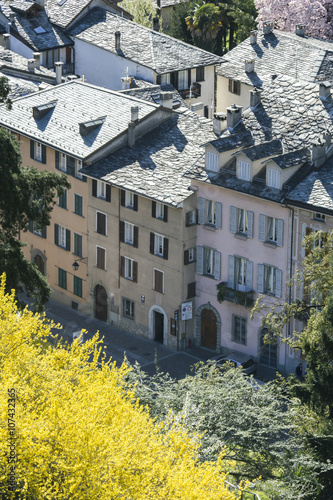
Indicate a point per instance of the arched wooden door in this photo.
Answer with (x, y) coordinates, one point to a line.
(40, 264)
(208, 329)
(101, 303)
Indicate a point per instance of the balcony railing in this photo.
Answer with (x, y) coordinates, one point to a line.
(194, 91)
(224, 292)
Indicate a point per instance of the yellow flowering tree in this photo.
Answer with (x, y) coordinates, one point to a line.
(71, 430)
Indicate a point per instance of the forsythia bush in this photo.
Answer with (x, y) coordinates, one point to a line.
(70, 430)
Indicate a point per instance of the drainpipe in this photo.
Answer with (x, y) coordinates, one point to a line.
(289, 298)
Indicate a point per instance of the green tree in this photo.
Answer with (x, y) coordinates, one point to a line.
(178, 27)
(143, 11)
(311, 311)
(26, 195)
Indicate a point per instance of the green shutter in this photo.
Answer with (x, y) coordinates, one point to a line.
(57, 160)
(44, 232)
(56, 234)
(77, 286)
(70, 166)
(32, 149)
(68, 240)
(43, 153)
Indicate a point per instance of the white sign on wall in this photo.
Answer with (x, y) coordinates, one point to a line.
(186, 311)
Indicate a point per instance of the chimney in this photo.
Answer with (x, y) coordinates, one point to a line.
(11, 17)
(249, 65)
(71, 77)
(117, 40)
(300, 29)
(31, 65)
(318, 153)
(166, 99)
(234, 115)
(267, 27)
(36, 56)
(324, 89)
(219, 123)
(134, 113)
(58, 66)
(255, 97)
(131, 134)
(253, 37)
(6, 41)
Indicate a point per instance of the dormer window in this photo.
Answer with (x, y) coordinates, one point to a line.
(319, 216)
(244, 170)
(273, 178)
(212, 162)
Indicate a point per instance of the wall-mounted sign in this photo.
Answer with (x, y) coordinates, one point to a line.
(186, 311)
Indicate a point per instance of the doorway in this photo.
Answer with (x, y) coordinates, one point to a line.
(101, 303)
(158, 327)
(208, 329)
(40, 264)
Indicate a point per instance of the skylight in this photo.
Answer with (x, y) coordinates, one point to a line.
(39, 30)
(61, 2)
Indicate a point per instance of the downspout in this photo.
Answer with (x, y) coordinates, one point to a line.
(289, 298)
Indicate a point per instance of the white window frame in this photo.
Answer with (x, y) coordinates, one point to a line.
(128, 268)
(131, 305)
(129, 233)
(61, 236)
(274, 178)
(78, 166)
(208, 262)
(159, 210)
(129, 199)
(182, 80)
(38, 151)
(241, 280)
(63, 162)
(191, 254)
(240, 273)
(241, 221)
(244, 170)
(271, 230)
(241, 337)
(158, 245)
(210, 213)
(106, 222)
(319, 216)
(192, 217)
(212, 162)
(159, 270)
(101, 190)
(269, 280)
(165, 78)
(102, 248)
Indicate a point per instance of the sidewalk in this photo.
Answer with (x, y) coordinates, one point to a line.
(118, 342)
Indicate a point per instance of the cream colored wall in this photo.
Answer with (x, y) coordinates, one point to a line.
(53, 255)
(176, 275)
(224, 98)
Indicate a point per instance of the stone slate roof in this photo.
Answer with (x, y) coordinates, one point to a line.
(20, 87)
(316, 189)
(21, 5)
(151, 93)
(154, 167)
(291, 159)
(77, 102)
(149, 48)
(230, 141)
(262, 150)
(24, 27)
(10, 60)
(279, 53)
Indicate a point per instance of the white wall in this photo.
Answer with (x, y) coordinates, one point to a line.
(101, 67)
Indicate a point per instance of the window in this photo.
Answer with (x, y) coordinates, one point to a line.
(78, 204)
(200, 74)
(100, 258)
(65, 163)
(244, 170)
(212, 162)
(182, 80)
(269, 280)
(128, 308)
(129, 200)
(62, 278)
(128, 233)
(239, 329)
(101, 223)
(165, 78)
(191, 290)
(210, 213)
(77, 286)
(159, 245)
(101, 190)
(240, 272)
(129, 269)
(271, 230)
(62, 237)
(319, 216)
(208, 262)
(78, 166)
(37, 151)
(63, 200)
(191, 218)
(158, 284)
(241, 221)
(189, 256)
(234, 87)
(34, 228)
(77, 245)
(159, 211)
(274, 178)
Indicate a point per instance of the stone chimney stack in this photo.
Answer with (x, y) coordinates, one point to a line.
(234, 115)
(166, 99)
(6, 41)
(36, 56)
(219, 123)
(300, 29)
(58, 66)
(324, 89)
(267, 27)
(253, 37)
(134, 113)
(318, 153)
(255, 97)
(117, 40)
(31, 65)
(249, 65)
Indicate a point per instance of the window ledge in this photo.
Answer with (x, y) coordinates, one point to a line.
(210, 227)
(83, 217)
(241, 236)
(271, 244)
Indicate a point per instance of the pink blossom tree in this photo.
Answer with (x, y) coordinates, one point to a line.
(315, 14)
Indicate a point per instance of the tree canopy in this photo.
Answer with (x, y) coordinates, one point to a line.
(27, 195)
(76, 431)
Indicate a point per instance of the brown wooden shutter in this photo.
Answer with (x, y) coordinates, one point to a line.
(135, 271)
(165, 214)
(122, 267)
(165, 248)
(136, 237)
(122, 197)
(152, 243)
(122, 231)
(100, 258)
(153, 209)
(191, 290)
(186, 257)
(108, 192)
(94, 188)
(158, 279)
(135, 206)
